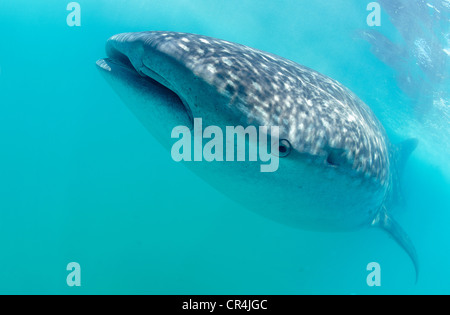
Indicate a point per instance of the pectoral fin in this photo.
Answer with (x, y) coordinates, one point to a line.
(388, 224)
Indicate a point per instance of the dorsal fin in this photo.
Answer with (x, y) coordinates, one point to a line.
(401, 154)
(403, 151)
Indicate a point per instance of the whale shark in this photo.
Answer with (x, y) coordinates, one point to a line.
(338, 171)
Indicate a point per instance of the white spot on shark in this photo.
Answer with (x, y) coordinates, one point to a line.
(184, 47)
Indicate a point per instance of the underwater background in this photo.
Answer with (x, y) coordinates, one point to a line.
(81, 180)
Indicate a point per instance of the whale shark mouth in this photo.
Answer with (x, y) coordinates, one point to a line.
(119, 64)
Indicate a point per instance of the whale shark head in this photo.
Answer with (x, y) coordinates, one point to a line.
(337, 170)
(226, 83)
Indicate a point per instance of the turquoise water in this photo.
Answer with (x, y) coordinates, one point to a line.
(81, 180)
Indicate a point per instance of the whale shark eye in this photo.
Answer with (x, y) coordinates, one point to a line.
(284, 148)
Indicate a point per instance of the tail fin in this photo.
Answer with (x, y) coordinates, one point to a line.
(388, 224)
